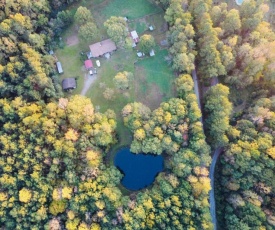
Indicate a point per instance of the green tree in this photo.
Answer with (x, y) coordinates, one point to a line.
(83, 15)
(88, 31)
(218, 109)
(117, 29)
(122, 80)
(147, 43)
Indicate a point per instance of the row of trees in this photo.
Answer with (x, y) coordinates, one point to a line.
(236, 44)
(246, 174)
(87, 27)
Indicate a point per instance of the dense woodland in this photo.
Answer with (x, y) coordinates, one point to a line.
(53, 172)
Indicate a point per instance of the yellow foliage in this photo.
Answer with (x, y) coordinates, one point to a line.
(3, 196)
(56, 195)
(42, 212)
(71, 134)
(271, 152)
(95, 226)
(167, 117)
(67, 192)
(25, 195)
(100, 214)
(70, 214)
(100, 204)
(94, 158)
(148, 204)
(72, 224)
(192, 179)
(139, 134)
(83, 226)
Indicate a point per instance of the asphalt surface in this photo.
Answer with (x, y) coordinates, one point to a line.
(216, 154)
(212, 193)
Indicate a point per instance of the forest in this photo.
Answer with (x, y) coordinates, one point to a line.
(55, 147)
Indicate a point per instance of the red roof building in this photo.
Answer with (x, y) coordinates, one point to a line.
(88, 64)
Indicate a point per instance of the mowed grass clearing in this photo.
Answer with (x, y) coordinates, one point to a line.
(71, 64)
(151, 85)
(154, 79)
(130, 8)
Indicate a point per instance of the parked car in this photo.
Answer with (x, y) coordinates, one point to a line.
(97, 63)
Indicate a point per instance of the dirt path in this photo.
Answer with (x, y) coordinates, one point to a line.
(88, 81)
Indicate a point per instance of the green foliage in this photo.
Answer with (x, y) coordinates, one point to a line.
(57, 206)
(246, 179)
(82, 16)
(88, 31)
(218, 109)
(122, 80)
(117, 29)
(147, 43)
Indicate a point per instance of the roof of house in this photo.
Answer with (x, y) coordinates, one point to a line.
(103, 47)
(88, 64)
(134, 34)
(59, 67)
(69, 83)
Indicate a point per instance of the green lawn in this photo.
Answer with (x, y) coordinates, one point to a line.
(154, 79)
(71, 64)
(129, 8)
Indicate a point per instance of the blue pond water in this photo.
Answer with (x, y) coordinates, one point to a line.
(139, 170)
(239, 2)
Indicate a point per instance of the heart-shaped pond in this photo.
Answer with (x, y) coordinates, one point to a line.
(139, 170)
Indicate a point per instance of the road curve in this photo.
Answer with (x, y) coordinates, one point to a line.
(216, 154)
(212, 193)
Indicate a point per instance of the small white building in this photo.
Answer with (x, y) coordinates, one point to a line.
(152, 53)
(59, 67)
(134, 36)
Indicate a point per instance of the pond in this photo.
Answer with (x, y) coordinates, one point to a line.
(139, 170)
(239, 2)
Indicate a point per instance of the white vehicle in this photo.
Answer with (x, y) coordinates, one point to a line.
(97, 63)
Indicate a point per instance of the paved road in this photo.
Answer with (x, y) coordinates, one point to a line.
(212, 193)
(214, 81)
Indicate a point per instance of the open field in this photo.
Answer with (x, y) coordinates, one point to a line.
(153, 77)
(130, 8)
(72, 65)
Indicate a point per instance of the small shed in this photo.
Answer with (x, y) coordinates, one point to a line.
(135, 37)
(140, 54)
(88, 64)
(59, 67)
(68, 83)
(151, 28)
(152, 53)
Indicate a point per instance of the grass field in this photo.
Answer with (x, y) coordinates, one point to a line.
(153, 77)
(130, 8)
(154, 80)
(71, 64)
